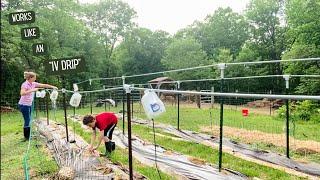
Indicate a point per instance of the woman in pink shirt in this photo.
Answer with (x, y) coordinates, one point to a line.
(27, 92)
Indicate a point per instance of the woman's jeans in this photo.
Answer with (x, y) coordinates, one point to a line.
(26, 112)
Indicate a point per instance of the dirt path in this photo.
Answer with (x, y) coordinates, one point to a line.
(250, 137)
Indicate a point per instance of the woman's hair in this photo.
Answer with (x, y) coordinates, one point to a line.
(87, 119)
(28, 74)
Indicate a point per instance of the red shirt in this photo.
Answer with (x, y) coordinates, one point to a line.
(103, 120)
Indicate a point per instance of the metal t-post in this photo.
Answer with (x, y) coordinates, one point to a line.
(178, 99)
(270, 106)
(105, 103)
(123, 105)
(221, 66)
(47, 108)
(132, 99)
(90, 97)
(128, 91)
(287, 78)
(65, 107)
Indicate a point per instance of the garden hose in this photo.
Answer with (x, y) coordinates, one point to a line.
(26, 156)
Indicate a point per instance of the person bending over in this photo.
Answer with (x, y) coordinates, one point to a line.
(105, 122)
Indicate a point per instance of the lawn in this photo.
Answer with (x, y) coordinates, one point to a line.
(40, 162)
(192, 118)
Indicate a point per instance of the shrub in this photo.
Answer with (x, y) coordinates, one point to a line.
(301, 110)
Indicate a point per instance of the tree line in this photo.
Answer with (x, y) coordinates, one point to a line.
(105, 34)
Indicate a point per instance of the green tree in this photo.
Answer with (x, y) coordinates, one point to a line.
(304, 39)
(266, 39)
(186, 53)
(141, 52)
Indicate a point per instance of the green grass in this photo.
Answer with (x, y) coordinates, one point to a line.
(13, 149)
(211, 155)
(194, 118)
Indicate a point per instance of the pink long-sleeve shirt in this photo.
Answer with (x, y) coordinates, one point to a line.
(27, 99)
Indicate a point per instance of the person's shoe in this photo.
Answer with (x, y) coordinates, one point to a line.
(26, 133)
(25, 129)
(110, 146)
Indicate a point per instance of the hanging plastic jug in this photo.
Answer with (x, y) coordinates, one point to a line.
(152, 105)
(75, 99)
(38, 94)
(54, 95)
(42, 93)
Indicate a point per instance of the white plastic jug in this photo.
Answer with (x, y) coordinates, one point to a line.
(43, 93)
(54, 95)
(75, 99)
(152, 105)
(38, 94)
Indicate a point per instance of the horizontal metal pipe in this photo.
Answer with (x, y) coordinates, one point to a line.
(269, 96)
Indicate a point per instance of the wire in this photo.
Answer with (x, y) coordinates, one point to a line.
(212, 65)
(155, 148)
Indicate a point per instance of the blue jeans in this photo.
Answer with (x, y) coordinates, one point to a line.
(26, 112)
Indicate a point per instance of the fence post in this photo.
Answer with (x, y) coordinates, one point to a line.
(221, 66)
(90, 98)
(132, 99)
(65, 107)
(47, 108)
(212, 97)
(104, 98)
(123, 105)
(178, 99)
(270, 104)
(128, 91)
(287, 78)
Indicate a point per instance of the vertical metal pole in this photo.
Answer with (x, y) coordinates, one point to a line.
(287, 126)
(47, 108)
(90, 97)
(132, 99)
(105, 97)
(36, 102)
(110, 97)
(129, 135)
(123, 111)
(221, 126)
(222, 67)
(65, 107)
(270, 104)
(178, 87)
(123, 105)
(287, 77)
(212, 97)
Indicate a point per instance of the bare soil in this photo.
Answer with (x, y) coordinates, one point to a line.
(250, 137)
